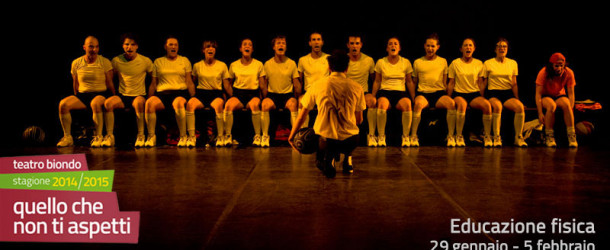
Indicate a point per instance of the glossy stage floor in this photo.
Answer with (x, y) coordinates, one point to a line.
(274, 198)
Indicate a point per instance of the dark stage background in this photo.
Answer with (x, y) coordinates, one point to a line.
(42, 39)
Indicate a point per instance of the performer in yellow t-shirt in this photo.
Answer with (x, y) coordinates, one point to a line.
(131, 69)
(430, 77)
(248, 79)
(500, 78)
(464, 86)
(211, 75)
(171, 86)
(282, 78)
(312, 67)
(361, 69)
(392, 80)
(91, 83)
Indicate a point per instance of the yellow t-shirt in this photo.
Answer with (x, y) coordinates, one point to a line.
(246, 76)
(210, 77)
(337, 98)
(280, 75)
(132, 74)
(500, 75)
(430, 74)
(313, 69)
(171, 74)
(393, 75)
(91, 76)
(360, 70)
(465, 75)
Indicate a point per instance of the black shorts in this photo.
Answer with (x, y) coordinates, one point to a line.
(467, 96)
(392, 95)
(433, 97)
(280, 99)
(502, 95)
(554, 97)
(87, 97)
(245, 95)
(207, 96)
(167, 97)
(128, 100)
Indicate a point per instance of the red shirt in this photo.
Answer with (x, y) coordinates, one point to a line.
(556, 85)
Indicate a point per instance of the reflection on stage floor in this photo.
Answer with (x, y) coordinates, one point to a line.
(275, 198)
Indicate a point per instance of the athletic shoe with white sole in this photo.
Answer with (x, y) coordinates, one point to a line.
(151, 141)
(371, 141)
(66, 141)
(459, 141)
(108, 141)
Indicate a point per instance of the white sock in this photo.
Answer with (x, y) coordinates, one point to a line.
(66, 123)
(519, 120)
(293, 117)
(371, 116)
(151, 123)
(451, 115)
(181, 121)
(109, 120)
(98, 121)
(190, 123)
(220, 124)
(265, 121)
(487, 125)
(496, 121)
(256, 122)
(460, 119)
(407, 118)
(415, 123)
(140, 121)
(382, 118)
(228, 116)
(571, 130)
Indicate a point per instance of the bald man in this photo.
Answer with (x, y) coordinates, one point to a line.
(91, 83)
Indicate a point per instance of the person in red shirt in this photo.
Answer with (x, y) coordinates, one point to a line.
(551, 85)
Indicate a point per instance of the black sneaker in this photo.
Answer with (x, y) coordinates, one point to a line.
(329, 169)
(348, 167)
(320, 165)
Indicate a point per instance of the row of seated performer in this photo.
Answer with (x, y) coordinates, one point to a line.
(247, 83)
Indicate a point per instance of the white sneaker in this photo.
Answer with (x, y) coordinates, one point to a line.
(520, 142)
(572, 141)
(372, 141)
(414, 141)
(108, 141)
(459, 141)
(97, 141)
(405, 141)
(265, 141)
(257, 140)
(487, 141)
(450, 141)
(66, 141)
(497, 141)
(381, 141)
(191, 141)
(228, 140)
(220, 141)
(140, 140)
(151, 141)
(550, 141)
(182, 141)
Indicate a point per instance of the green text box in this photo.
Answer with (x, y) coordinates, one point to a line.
(97, 180)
